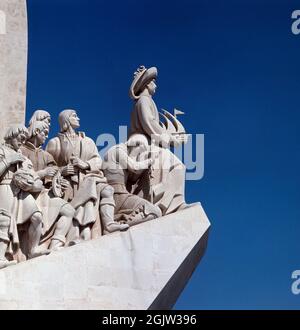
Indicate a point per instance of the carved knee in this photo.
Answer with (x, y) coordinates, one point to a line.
(107, 192)
(37, 218)
(67, 210)
(107, 196)
(152, 209)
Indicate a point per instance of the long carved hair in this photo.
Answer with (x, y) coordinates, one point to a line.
(63, 119)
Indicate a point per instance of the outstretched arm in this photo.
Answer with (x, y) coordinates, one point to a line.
(127, 162)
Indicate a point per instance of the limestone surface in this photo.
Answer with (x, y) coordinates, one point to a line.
(145, 267)
(13, 63)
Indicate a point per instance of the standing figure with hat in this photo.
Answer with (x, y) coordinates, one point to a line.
(165, 183)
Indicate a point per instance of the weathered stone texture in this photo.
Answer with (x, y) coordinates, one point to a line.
(13, 64)
(144, 267)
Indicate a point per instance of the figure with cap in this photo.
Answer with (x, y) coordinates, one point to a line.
(57, 213)
(18, 206)
(167, 184)
(145, 116)
(80, 163)
(121, 160)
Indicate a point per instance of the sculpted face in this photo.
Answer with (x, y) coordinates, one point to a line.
(18, 141)
(47, 120)
(74, 120)
(41, 137)
(152, 87)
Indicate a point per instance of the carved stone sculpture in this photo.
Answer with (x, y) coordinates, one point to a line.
(18, 181)
(165, 185)
(39, 115)
(119, 162)
(53, 198)
(57, 213)
(80, 164)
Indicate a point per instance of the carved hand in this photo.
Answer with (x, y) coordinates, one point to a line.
(15, 158)
(179, 139)
(26, 186)
(68, 170)
(37, 186)
(64, 184)
(49, 172)
(77, 162)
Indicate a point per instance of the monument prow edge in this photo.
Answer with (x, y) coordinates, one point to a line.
(145, 267)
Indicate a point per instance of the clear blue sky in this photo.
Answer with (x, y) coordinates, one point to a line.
(233, 67)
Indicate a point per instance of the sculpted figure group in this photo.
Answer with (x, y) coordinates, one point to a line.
(65, 193)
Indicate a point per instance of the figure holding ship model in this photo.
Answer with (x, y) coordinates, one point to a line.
(167, 175)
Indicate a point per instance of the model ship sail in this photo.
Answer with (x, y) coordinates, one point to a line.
(170, 127)
(178, 112)
(162, 124)
(171, 123)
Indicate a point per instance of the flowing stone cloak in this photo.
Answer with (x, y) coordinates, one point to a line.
(39, 157)
(20, 205)
(49, 204)
(86, 185)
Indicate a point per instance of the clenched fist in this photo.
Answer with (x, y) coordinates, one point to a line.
(68, 170)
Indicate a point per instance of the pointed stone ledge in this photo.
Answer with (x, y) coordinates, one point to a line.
(146, 267)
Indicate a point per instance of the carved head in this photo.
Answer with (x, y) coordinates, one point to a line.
(68, 118)
(16, 135)
(143, 78)
(152, 87)
(38, 132)
(40, 115)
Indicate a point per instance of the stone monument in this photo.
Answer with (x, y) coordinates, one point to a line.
(81, 232)
(13, 62)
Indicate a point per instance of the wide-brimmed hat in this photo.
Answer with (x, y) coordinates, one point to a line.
(142, 77)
